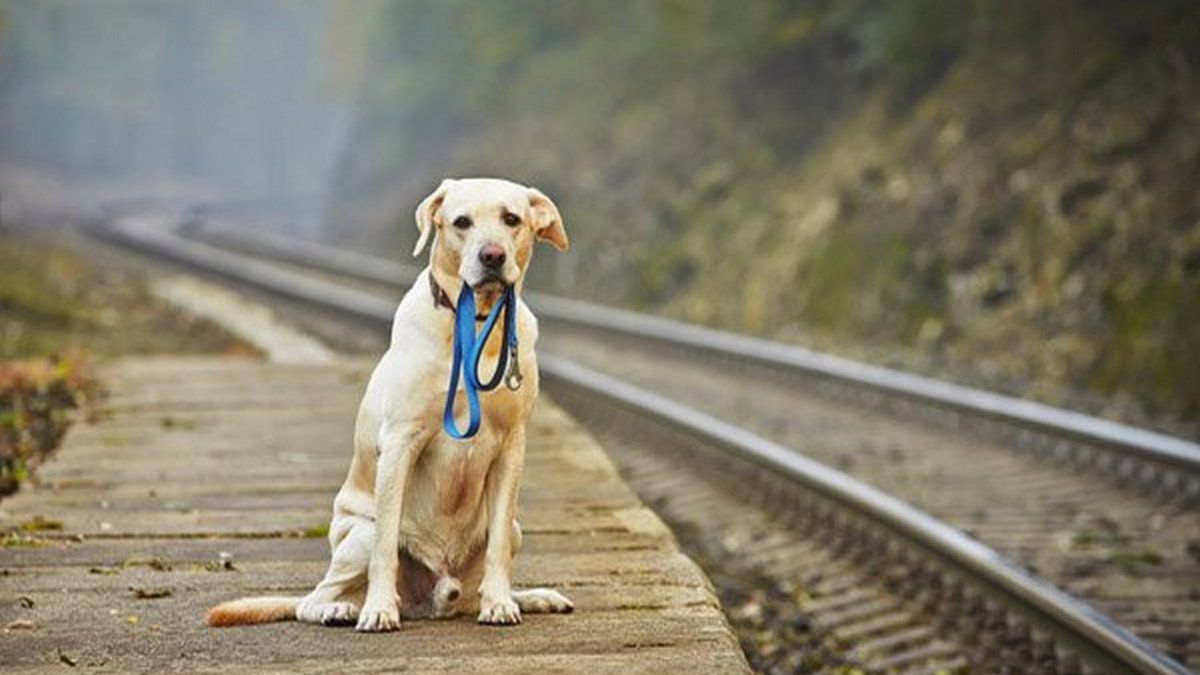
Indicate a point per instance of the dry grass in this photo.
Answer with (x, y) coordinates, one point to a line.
(36, 400)
(54, 300)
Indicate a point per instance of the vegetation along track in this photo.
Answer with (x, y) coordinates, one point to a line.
(918, 456)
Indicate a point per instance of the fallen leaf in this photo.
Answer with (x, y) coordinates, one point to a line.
(40, 523)
(26, 602)
(104, 570)
(156, 564)
(132, 619)
(177, 424)
(18, 540)
(220, 566)
(67, 659)
(149, 593)
(316, 531)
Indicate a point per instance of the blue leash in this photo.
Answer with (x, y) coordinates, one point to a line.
(468, 348)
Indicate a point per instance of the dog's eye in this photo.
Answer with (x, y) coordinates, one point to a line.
(462, 222)
(512, 219)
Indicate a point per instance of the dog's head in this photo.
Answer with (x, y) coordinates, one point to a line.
(484, 228)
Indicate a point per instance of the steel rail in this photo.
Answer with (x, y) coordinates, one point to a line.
(1097, 638)
(969, 556)
(300, 252)
(1168, 451)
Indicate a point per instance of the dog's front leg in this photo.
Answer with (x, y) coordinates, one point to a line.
(398, 452)
(496, 603)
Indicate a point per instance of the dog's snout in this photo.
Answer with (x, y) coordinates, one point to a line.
(492, 255)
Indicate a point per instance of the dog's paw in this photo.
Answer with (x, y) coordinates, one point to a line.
(502, 612)
(378, 619)
(338, 613)
(543, 601)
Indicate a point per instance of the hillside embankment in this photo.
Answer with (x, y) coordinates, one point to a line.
(999, 192)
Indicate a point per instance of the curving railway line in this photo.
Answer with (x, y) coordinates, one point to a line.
(806, 470)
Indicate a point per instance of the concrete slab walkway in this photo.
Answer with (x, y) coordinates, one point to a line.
(211, 478)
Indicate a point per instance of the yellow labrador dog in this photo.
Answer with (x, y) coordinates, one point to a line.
(424, 525)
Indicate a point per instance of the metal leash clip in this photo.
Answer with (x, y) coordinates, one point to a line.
(512, 379)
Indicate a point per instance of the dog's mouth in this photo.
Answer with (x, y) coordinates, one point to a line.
(490, 281)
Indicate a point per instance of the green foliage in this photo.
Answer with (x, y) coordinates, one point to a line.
(1156, 328)
(921, 36)
(447, 67)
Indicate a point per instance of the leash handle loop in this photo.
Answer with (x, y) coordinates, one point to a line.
(467, 350)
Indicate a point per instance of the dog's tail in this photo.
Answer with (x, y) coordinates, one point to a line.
(248, 611)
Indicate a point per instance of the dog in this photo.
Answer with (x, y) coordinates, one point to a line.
(424, 525)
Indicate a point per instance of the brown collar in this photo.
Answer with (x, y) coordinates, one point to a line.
(442, 299)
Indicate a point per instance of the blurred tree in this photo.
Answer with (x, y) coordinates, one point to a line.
(203, 91)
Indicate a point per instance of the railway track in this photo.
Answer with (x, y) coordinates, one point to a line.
(1130, 454)
(911, 592)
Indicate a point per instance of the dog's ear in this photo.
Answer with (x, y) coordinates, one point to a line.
(547, 222)
(429, 214)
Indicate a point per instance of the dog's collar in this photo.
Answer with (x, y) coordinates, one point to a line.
(442, 299)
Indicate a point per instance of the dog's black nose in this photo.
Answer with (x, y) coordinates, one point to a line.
(492, 255)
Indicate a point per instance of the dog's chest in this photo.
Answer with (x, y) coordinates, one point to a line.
(457, 471)
(459, 485)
